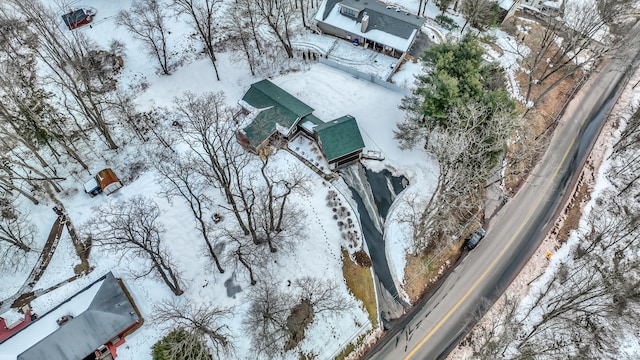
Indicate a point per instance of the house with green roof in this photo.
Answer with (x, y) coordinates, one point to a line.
(276, 116)
(276, 113)
(340, 141)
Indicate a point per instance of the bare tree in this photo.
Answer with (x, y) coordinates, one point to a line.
(478, 13)
(266, 318)
(23, 102)
(422, 6)
(242, 251)
(146, 22)
(583, 304)
(562, 50)
(274, 217)
(254, 21)
(257, 195)
(22, 176)
(278, 15)
(464, 159)
(240, 29)
(491, 338)
(443, 5)
(322, 294)
(410, 212)
(202, 14)
(33, 131)
(277, 319)
(524, 151)
(305, 7)
(619, 15)
(182, 181)
(207, 128)
(68, 58)
(202, 324)
(625, 174)
(17, 234)
(153, 125)
(132, 227)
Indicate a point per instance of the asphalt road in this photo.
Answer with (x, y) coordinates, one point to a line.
(442, 320)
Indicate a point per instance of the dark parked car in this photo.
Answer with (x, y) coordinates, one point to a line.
(474, 239)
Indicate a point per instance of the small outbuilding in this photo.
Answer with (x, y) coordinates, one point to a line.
(105, 181)
(340, 141)
(76, 18)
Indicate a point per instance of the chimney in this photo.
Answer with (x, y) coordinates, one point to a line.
(64, 319)
(365, 23)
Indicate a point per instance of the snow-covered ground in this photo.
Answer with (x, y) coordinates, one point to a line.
(330, 92)
(308, 149)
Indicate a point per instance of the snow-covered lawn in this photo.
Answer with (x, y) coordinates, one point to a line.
(309, 150)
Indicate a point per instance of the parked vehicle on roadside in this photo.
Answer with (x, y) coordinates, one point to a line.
(474, 238)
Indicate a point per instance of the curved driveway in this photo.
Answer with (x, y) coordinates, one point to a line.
(438, 323)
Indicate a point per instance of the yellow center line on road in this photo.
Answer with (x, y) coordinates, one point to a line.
(491, 266)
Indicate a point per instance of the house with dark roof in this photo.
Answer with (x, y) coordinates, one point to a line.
(89, 325)
(370, 23)
(275, 116)
(341, 141)
(78, 17)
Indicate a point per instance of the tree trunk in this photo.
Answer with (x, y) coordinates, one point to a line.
(167, 275)
(247, 266)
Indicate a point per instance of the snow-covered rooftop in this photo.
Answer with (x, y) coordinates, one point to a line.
(94, 316)
(505, 4)
(374, 32)
(553, 4)
(46, 324)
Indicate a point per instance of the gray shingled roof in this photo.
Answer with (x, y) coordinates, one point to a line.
(109, 313)
(398, 23)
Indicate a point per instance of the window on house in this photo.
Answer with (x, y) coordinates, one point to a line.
(348, 11)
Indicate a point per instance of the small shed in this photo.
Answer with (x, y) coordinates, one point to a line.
(78, 17)
(105, 181)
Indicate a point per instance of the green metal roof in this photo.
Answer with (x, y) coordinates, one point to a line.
(279, 106)
(340, 137)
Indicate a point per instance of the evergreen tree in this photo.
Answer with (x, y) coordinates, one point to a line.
(463, 116)
(180, 345)
(456, 74)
